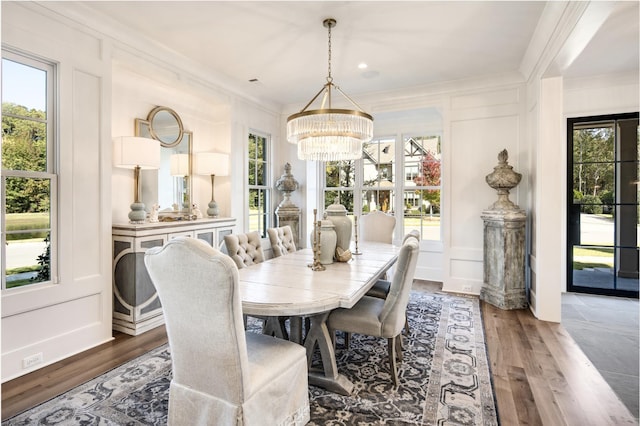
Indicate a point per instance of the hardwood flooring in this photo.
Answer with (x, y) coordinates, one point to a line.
(540, 375)
(35, 388)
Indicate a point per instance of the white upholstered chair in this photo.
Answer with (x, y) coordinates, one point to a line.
(281, 239)
(381, 288)
(377, 226)
(282, 243)
(383, 317)
(246, 250)
(221, 375)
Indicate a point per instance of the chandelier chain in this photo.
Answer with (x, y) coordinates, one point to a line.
(329, 78)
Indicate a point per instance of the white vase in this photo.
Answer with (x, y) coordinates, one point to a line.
(327, 242)
(337, 214)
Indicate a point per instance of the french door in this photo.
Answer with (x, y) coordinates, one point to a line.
(603, 214)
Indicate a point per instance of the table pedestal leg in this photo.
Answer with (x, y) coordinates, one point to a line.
(328, 378)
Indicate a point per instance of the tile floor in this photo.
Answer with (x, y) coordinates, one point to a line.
(607, 330)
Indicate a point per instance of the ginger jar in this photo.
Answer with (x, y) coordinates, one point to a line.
(327, 241)
(337, 214)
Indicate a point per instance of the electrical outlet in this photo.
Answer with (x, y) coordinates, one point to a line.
(466, 288)
(32, 360)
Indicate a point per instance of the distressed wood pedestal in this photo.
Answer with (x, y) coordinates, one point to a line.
(290, 215)
(504, 259)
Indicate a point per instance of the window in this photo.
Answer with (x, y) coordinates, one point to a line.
(259, 191)
(340, 181)
(378, 177)
(28, 176)
(422, 185)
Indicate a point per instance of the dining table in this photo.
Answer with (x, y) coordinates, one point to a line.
(287, 286)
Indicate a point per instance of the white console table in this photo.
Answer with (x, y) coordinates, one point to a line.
(136, 307)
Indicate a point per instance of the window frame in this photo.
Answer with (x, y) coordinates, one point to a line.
(51, 172)
(399, 184)
(266, 188)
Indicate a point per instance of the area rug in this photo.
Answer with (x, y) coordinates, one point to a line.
(444, 379)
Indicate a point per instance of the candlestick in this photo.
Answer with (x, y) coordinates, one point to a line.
(316, 265)
(355, 224)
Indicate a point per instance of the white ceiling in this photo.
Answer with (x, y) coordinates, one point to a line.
(405, 44)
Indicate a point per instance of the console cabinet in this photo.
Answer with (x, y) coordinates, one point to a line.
(136, 307)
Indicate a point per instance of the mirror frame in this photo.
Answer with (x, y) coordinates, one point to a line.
(154, 132)
(149, 178)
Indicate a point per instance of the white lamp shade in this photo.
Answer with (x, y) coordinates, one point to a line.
(132, 151)
(179, 165)
(211, 163)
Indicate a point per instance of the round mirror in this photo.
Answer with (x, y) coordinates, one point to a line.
(165, 125)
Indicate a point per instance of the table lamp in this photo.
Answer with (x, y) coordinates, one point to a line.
(132, 152)
(212, 163)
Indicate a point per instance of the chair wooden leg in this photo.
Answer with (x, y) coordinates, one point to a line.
(399, 346)
(392, 360)
(347, 339)
(406, 325)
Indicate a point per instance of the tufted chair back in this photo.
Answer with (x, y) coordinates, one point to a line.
(281, 240)
(244, 249)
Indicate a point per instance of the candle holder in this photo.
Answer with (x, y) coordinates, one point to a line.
(355, 225)
(316, 265)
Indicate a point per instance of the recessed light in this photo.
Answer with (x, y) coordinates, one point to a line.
(362, 65)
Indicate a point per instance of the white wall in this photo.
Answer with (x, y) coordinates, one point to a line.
(74, 314)
(479, 119)
(138, 87)
(601, 94)
(480, 124)
(550, 100)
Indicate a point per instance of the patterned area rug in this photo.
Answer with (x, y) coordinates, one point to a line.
(444, 379)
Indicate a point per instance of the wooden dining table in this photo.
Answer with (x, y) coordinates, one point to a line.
(287, 286)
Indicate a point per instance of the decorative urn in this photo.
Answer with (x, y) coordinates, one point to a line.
(286, 184)
(503, 179)
(337, 214)
(327, 241)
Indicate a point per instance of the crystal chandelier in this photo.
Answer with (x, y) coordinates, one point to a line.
(329, 134)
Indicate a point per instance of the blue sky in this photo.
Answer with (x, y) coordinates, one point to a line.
(23, 85)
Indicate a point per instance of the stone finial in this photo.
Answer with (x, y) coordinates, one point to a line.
(286, 184)
(503, 179)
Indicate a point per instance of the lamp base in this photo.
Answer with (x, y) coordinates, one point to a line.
(137, 214)
(213, 210)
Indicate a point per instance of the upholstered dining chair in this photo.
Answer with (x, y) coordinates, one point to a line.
(383, 317)
(281, 239)
(381, 288)
(221, 375)
(377, 226)
(282, 243)
(246, 250)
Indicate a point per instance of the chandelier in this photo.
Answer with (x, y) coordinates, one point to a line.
(329, 134)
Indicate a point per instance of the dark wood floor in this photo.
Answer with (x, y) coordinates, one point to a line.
(41, 385)
(540, 375)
